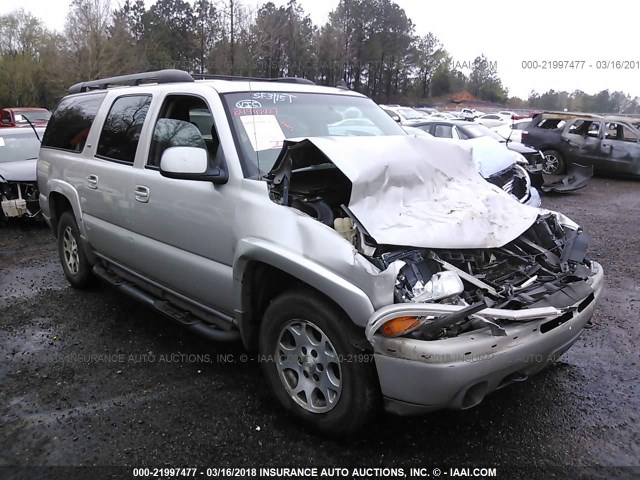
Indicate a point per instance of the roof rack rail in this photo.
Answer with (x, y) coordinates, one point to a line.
(160, 76)
(207, 76)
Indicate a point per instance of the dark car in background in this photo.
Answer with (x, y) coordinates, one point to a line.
(24, 117)
(611, 145)
(19, 149)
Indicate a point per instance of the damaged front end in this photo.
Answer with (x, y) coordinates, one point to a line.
(468, 322)
(542, 274)
(488, 291)
(19, 199)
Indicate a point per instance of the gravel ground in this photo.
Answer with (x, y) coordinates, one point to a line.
(93, 378)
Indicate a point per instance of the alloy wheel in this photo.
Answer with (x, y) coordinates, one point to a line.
(308, 366)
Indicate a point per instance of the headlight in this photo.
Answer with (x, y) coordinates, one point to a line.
(441, 285)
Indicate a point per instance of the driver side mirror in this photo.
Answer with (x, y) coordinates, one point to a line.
(190, 163)
(396, 118)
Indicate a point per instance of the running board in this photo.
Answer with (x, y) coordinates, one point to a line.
(184, 318)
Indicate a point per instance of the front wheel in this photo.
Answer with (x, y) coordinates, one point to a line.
(553, 162)
(311, 366)
(75, 264)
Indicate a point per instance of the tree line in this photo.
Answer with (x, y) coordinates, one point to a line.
(368, 45)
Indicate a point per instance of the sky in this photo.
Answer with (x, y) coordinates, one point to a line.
(528, 41)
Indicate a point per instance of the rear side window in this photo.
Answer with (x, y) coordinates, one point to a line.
(70, 124)
(444, 131)
(121, 130)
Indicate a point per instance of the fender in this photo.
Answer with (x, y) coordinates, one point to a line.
(66, 189)
(350, 298)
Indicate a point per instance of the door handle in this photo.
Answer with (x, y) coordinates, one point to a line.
(142, 193)
(92, 181)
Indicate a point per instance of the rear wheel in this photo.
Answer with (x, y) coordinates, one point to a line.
(311, 366)
(553, 162)
(75, 264)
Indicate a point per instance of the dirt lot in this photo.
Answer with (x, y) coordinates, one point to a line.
(93, 378)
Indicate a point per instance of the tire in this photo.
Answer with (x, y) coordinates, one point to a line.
(75, 264)
(342, 381)
(553, 162)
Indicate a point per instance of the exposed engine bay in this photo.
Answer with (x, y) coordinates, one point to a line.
(545, 266)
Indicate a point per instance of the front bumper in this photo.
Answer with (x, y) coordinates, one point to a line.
(418, 376)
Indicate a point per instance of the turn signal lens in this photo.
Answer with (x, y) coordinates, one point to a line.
(400, 326)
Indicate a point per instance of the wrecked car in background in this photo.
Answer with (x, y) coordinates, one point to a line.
(534, 159)
(606, 144)
(18, 185)
(372, 268)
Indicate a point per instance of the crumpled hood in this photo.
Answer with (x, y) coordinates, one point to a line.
(416, 191)
(20, 171)
(490, 156)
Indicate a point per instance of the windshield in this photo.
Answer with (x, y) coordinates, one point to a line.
(18, 147)
(32, 115)
(261, 121)
(410, 113)
(475, 130)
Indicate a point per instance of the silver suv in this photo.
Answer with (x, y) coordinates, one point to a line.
(365, 266)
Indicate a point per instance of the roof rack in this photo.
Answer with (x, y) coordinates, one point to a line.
(207, 76)
(161, 76)
(171, 76)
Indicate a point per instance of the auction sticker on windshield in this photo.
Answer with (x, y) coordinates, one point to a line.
(263, 131)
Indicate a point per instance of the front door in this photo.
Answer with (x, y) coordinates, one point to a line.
(184, 227)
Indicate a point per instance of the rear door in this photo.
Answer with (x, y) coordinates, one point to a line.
(620, 149)
(107, 185)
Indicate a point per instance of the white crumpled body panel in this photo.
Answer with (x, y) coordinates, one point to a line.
(490, 156)
(424, 192)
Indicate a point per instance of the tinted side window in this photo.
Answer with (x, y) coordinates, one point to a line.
(184, 120)
(121, 130)
(71, 122)
(445, 131)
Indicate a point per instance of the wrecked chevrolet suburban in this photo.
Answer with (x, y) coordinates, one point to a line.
(363, 269)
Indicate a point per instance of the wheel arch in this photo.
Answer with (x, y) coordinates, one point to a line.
(262, 271)
(63, 197)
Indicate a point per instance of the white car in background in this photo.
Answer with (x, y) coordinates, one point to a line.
(513, 131)
(444, 116)
(469, 113)
(408, 116)
(491, 120)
